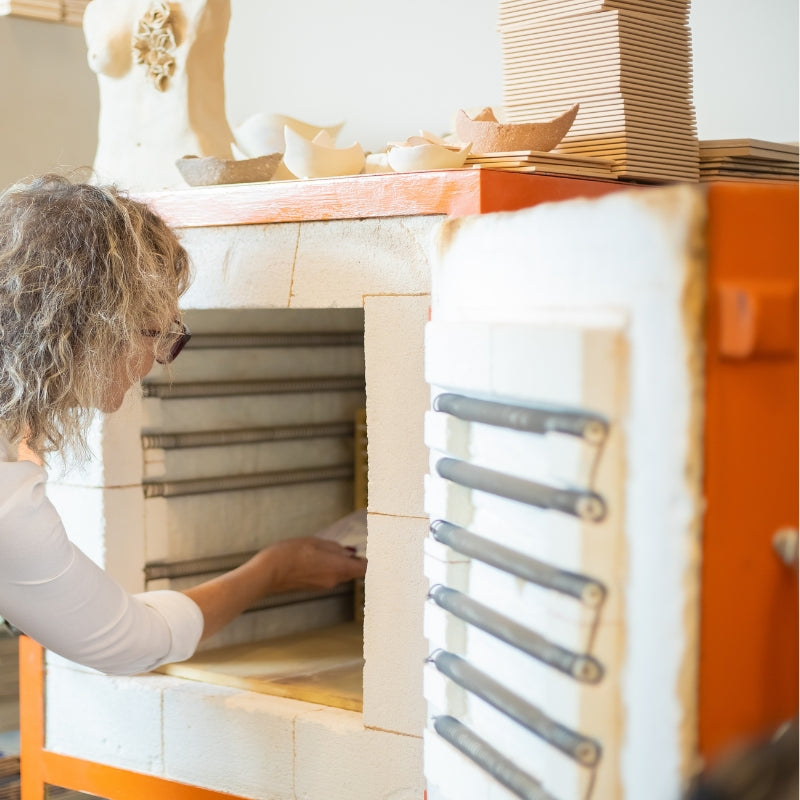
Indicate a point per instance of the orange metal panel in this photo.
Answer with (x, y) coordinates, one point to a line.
(749, 603)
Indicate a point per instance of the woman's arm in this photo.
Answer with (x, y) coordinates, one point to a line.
(293, 564)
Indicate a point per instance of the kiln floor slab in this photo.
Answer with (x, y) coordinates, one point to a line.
(323, 666)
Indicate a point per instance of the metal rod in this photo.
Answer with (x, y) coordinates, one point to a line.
(173, 441)
(192, 567)
(586, 505)
(582, 667)
(174, 391)
(586, 589)
(533, 419)
(584, 750)
(294, 598)
(489, 759)
(196, 567)
(258, 480)
(218, 341)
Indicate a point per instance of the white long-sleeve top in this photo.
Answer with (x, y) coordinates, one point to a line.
(55, 594)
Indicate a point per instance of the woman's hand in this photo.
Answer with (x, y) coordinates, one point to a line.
(308, 563)
(289, 565)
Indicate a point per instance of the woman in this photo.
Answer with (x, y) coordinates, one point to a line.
(89, 288)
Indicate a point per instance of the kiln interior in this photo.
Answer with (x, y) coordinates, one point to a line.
(256, 434)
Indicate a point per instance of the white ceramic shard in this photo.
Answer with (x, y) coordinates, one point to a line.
(262, 133)
(377, 162)
(434, 139)
(210, 170)
(319, 157)
(490, 136)
(420, 154)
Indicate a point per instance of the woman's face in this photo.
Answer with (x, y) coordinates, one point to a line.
(137, 364)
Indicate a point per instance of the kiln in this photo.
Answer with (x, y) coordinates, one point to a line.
(333, 251)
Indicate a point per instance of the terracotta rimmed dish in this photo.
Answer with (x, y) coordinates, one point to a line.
(211, 170)
(488, 135)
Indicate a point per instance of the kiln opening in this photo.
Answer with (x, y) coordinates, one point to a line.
(258, 433)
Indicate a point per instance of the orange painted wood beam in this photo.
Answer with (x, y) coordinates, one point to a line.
(449, 192)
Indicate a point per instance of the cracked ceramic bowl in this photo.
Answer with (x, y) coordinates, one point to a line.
(263, 132)
(319, 157)
(490, 136)
(418, 154)
(211, 170)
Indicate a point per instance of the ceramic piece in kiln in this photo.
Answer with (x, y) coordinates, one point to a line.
(418, 153)
(319, 157)
(490, 136)
(210, 170)
(262, 133)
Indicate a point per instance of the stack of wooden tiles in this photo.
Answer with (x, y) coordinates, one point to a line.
(545, 164)
(73, 11)
(69, 12)
(628, 64)
(49, 10)
(748, 160)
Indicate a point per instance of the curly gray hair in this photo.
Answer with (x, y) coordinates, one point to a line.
(83, 269)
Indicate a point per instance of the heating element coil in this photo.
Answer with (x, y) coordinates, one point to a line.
(583, 503)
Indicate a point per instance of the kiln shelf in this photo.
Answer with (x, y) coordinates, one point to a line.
(322, 666)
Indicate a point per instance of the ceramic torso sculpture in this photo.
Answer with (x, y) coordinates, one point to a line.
(160, 71)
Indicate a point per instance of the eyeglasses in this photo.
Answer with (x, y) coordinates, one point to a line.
(176, 341)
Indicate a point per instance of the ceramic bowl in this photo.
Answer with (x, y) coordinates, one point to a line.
(263, 133)
(490, 136)
(210, 170)
(377, 163)
(423, 155)
(319, 157)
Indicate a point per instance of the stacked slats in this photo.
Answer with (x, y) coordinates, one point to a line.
(49, 10)
(545, 164)
(628, 64)
(73, 11)
(748, 160)
(67, 11)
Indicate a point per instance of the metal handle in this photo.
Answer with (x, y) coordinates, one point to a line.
(533, 419)
(586, 505)
(587, 590)
(785, 545)
(581, 667)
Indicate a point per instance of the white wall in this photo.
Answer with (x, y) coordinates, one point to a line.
(387, 69)
(48, 99)
(746, 68)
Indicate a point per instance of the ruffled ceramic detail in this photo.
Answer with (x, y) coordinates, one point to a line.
(154, 44)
